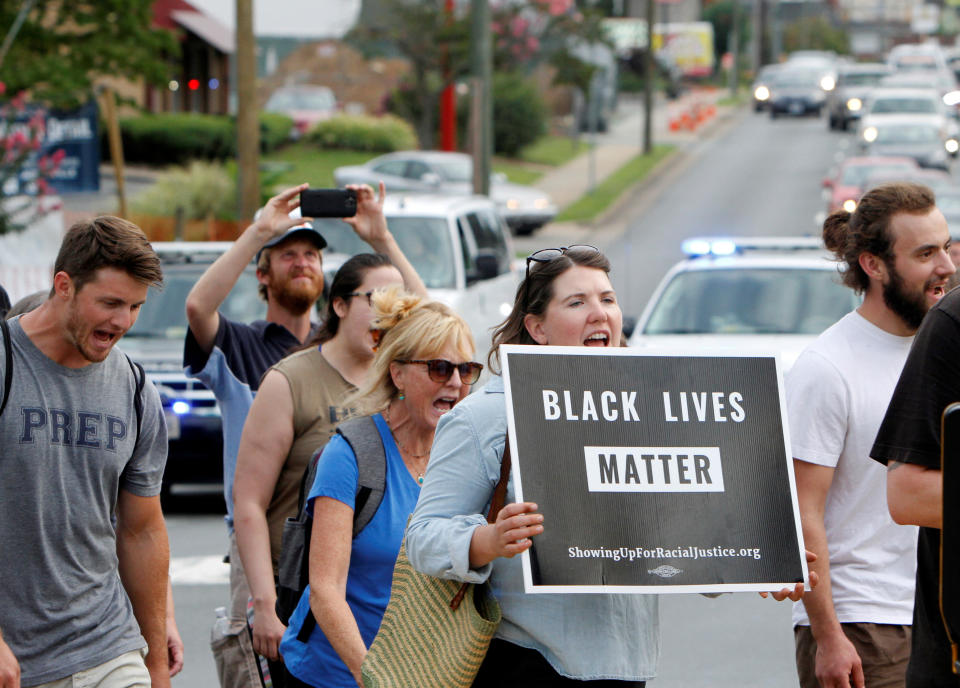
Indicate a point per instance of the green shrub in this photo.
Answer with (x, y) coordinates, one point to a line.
(202, 189)
(519, 114)
(274, 131)
(176, 138)
(365, 133)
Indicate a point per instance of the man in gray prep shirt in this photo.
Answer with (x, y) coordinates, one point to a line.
(82, 439)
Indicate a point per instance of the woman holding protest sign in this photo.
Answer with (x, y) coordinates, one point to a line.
(566, 298)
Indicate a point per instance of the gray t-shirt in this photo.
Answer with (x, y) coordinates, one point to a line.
(67, 441)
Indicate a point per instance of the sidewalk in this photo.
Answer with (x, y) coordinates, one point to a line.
(672, 120)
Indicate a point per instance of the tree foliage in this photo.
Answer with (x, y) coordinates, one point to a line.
(64, 46)
(815, 33)
(720, 14)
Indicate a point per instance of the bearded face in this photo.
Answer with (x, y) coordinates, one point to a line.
(297, 290)
(910, 304)
(295, 276)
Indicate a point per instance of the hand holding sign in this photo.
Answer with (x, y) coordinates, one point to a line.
(508, 536)
(797, 593)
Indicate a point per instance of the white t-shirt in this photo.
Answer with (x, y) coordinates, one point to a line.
(837, 394)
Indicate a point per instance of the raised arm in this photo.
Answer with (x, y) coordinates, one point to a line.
(143, 552)
(370, 224)
(915, 495)
(264, 445)
(216, 282)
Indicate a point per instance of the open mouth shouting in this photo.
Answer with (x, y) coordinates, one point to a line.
(444, 404)
(597, 339)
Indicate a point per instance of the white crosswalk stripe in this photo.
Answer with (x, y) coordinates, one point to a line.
(206, 570)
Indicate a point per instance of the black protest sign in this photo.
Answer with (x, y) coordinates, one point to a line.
(654, 473)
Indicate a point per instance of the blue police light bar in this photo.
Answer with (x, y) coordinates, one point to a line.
(181, 407)
(727, 246)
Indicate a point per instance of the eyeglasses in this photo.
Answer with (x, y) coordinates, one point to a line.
(368, 294)
(441, 370)
(545, 255)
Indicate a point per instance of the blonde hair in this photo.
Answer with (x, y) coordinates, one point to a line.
(412, 328)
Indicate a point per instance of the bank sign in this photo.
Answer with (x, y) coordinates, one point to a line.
(654, 473)
(75, 133)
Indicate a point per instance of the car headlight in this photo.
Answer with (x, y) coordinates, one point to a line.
(854, 104)
(541, 203)
(951, 98)
(827, 83)
(512, 204)
(761, 93)
(952, 146)
(849, 205)
(870, 134)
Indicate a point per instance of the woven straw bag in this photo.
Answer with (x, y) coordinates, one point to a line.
(435, 632)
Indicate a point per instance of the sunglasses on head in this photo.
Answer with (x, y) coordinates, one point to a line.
(441, 370)
(545, 255)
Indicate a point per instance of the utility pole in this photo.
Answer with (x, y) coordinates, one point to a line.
(648, 84)
(248, 124)
(481, 104)
(734, 76)
(448, 101)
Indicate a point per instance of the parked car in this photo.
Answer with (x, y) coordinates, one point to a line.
(921, 137)
(451, 174)
(847, 183)
(459, 246)
(766, 294)
(796, 91)
(305, 104)
(854, 84)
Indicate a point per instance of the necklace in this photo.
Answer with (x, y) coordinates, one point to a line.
(403, 449)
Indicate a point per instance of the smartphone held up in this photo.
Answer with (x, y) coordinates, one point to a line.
(328, 202)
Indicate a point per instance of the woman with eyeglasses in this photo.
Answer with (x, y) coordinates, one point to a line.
(566, 298)
(421, 370)
(298, 405)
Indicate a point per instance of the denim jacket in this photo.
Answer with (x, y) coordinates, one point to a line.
(583, 636)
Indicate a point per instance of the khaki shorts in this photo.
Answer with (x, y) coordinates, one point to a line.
(884, 651)
(230, 639)
(126, 671)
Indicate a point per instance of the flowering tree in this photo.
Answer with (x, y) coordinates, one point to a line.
(437, 43)
(21, 136)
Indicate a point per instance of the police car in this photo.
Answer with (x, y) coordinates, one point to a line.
(755, 294)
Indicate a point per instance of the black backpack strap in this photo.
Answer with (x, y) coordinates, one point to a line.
(140, 377)
(8, 366)
(367, 445)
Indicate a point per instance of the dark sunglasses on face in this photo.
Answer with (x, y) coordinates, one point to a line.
(545, 255)
(441, 370)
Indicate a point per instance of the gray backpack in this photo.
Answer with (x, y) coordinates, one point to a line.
(293, 572)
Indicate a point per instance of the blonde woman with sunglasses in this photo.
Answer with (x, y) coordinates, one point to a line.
(422, 368)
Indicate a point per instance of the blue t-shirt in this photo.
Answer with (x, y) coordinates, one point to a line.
(372, 557)
(232, 370)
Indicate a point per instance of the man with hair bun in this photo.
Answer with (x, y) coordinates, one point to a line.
(854, 629)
